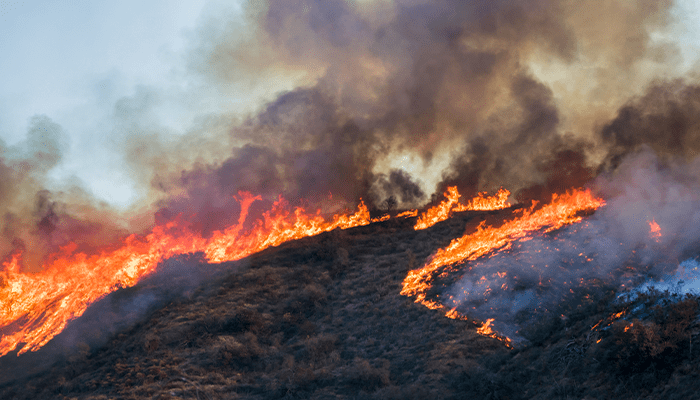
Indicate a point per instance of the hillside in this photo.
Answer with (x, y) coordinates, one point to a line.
(322, 318)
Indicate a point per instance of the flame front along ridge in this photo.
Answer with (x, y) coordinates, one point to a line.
(451, 205)
(35, 307)
(563, 210)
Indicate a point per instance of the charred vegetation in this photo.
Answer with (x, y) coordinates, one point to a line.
(322, 317)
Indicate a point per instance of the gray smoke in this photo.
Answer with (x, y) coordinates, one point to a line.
(446, 80)
(466, 87)
(614, 247)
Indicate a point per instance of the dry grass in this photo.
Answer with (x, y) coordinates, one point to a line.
(322, 318)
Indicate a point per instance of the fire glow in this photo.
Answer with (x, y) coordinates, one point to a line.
(563, 210)
(654, 230)
(451, 204)
(35, 307)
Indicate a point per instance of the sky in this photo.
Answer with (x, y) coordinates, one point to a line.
(73, 61)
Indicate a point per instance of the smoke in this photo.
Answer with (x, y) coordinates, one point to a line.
(666, 118)
(398, 184)
(37, 221)
(535, 96)
(468, 89)
(462, 82)
(616, 247)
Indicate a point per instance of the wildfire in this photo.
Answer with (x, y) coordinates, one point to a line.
(561, 211)
(36, 307)
(610, 319)
(381, 219)
(486, 328)
(451, 204)
(482, 202)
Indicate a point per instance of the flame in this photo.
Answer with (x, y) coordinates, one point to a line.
(381, 219)
(276, 227)
(485, 203)
(610, 319)
(563, 210)
(408, 214)
(451, 204)
(654, 230)
(35, 307)
(486, 328)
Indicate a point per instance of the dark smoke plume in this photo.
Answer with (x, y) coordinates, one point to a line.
(446, 80)
(666, 118)
(467, 87)
(398, 183)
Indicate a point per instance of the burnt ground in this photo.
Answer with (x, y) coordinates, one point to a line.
(322, 318)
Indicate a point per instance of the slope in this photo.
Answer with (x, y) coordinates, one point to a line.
(322, 318)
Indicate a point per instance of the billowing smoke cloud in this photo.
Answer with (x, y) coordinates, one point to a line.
(468, 88)
(666, 118)
(616, 247)
(445, 80)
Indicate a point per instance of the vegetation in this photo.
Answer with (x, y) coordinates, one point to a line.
(322, 318)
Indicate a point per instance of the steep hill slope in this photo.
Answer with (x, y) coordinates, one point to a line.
(317, 316)
(322, 318)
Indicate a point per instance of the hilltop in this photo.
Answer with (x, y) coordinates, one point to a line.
(322, 317)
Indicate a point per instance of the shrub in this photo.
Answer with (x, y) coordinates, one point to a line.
(542, 329)
(660, 342)
(242, 352)
(319, 347)
(363, 376)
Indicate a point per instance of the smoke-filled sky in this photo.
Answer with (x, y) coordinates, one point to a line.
(74, 61)
(171, 108)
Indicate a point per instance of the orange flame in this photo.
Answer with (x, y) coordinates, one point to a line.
(486, 328)
(654, 230)
(407, 214)
(36, 307)
(562, 210)
(451, 204)
(381, 219)
(610, 319)
(485, 203)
